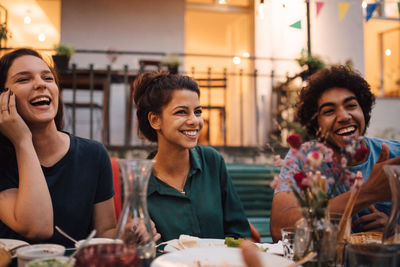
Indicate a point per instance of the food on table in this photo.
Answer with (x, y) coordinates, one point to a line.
(366, 238)
(235, 242)
(39, 251)
(5, 257)
(187, 241)
(232, 242)
(107, 255)
(50, 262)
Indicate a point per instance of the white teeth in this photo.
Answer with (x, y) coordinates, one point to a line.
(190, 133)
(346, 130)
(40, 99)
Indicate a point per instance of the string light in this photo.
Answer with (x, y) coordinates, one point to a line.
(246, 54)
(388, 52)
(364, 4)
(236, 60)
(27, 20)
(42, 37)
(222, 2)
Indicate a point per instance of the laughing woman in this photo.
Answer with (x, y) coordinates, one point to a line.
(190, 191)
(47, 177)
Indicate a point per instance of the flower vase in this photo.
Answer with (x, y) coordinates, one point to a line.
(134, 227)
(315, 233)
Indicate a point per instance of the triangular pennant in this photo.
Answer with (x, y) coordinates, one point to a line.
(343, 8)
(370, 9)
(319, 6)
(296, 25)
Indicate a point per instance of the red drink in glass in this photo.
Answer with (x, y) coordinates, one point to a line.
(107, 255)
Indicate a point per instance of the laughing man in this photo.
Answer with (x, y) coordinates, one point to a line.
(336, 104)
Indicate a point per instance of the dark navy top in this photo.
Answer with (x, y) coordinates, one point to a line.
(82, 178)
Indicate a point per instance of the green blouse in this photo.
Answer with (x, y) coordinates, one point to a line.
(210, 206)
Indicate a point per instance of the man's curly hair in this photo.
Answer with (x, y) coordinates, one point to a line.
(332, 77)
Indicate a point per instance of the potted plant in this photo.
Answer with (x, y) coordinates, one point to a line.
(4, 33)
(62, 56)
(310, 64)
(172, 63)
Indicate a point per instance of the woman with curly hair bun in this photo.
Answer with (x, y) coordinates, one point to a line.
(336, 105)
(190, 191)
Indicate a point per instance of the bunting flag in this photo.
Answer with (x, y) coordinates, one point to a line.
(343, 8)
(296, 25)
(319, 5)
(370, 9)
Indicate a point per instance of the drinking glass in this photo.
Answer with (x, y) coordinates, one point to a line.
(372, 255)
(107, 255)
(288, 242)
(134, 227)
(334, 218)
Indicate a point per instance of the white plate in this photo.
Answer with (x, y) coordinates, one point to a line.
(11, 243)
(214, 256)
(173, 245)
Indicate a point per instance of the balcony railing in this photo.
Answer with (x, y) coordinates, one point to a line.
(99, 105)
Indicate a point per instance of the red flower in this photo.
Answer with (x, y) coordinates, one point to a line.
(299, 177)
(361, 153)
(294, 141)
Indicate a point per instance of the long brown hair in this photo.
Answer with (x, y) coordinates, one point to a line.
(7, 152)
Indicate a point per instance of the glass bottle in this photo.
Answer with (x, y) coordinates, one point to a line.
(134, 227)
(314, 232)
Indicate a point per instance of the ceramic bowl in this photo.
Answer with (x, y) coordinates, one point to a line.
(58, 261)
(27, 254)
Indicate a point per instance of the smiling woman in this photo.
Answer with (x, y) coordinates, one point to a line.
(169, 113)
(42, 179)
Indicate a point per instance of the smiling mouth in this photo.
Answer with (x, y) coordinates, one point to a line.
(40, 101)
(346, 131)
(192, 133)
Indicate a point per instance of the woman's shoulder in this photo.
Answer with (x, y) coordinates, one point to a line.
(88, 147)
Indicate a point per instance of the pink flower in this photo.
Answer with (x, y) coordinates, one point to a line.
(289, 162)
(361, 153)
(299, 177)
(315, 158)
(328, 155)
(296, 153)
(294, 141)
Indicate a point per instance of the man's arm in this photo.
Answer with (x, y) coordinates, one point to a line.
(285, 212)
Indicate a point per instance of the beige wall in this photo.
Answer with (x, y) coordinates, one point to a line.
(135, 25)
(373, 55)
(334, 40)
(45, 17)
(230, 34)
